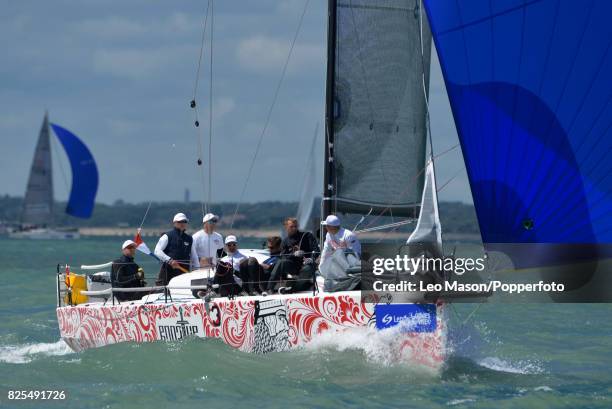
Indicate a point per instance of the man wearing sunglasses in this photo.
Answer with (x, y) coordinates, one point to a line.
(207, 242)
(175, 250)
(247, 269)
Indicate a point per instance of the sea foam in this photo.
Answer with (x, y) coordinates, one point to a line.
(378, 346)
(22, 354)
(520, 367)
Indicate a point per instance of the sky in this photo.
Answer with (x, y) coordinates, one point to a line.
(120, 74)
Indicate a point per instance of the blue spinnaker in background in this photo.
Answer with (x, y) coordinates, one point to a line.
(84, 173)
(530, 88)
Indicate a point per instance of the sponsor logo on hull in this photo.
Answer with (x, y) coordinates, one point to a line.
(170, 329)
(412, 317)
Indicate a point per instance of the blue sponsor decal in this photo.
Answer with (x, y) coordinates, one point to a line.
(413, 317)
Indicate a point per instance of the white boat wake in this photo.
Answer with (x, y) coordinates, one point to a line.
(22, 354)
(378, 346)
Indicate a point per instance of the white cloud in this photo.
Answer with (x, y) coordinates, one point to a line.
(265, 54)
(125, 29)
(290, 6)
(133, 63)
(223, 106)
(124, 127)
(181, 22)
(112, 27)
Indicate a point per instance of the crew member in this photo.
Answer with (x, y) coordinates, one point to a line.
(247, 269)
(175, 250)
(207, 242)
(273, 243)
(337, 237)
(125, 273)
(299, 251)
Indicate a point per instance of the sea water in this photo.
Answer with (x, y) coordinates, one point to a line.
(503, 355)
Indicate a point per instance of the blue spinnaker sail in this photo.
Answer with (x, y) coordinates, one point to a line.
(84, 173)
(530, 88)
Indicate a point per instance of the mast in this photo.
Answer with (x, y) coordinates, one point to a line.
(328, 174)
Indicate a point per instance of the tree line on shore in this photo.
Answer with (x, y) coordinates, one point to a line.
(457, 217)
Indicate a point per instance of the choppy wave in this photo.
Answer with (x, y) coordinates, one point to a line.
(22, 354)
(379, 347)
(524, 367)
(460, 401)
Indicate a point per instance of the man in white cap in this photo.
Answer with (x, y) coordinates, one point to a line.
(208, 244)
(175, 250)
(246, 268)
(125, 273)
(338, 237)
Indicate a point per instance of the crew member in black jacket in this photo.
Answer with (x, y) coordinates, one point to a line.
(175, 250)
(299, 252)
(125, 273)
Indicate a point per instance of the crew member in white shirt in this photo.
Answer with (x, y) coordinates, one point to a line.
(338, 237)
(175, 250)
(208, 244)
(247, 269)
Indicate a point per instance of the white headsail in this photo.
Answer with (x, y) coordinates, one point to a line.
(428, 232)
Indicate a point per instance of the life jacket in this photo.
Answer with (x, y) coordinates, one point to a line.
(224, 276)
(179, 246)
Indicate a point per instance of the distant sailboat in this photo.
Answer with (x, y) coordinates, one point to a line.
(37, 211)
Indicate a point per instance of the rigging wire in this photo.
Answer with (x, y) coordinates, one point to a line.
(457, 173)
(269, 115)
(386, 226)
(197, 78)
(194, 106)
(144, 217)
(210, 112)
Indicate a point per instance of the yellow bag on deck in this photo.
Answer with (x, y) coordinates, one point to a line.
(78, 283)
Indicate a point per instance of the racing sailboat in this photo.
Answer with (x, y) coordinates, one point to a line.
(37, 211)
(375, 149)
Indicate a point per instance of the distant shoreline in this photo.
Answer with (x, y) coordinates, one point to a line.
(249, 233)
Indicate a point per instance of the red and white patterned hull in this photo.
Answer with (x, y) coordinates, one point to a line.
(250, 324)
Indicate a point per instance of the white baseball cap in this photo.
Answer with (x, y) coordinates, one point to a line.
(331, 220)
(208, 217)
(231, 239)
(179, 217)
(127, 243)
